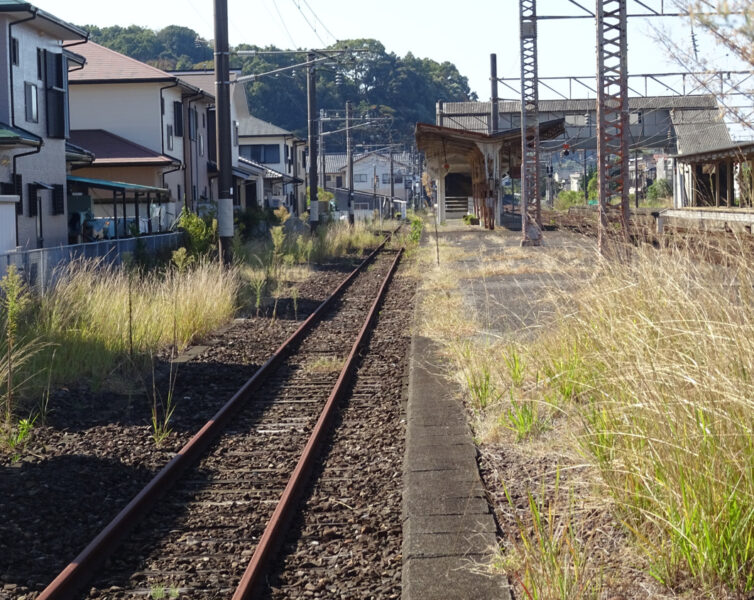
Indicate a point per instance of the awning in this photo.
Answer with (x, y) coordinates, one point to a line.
(118, 186)
(13, 136)
(245, 170)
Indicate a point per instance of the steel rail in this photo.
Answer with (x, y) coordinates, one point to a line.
(80, 571)
(276, 526)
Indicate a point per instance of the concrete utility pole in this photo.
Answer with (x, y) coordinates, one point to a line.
(323, 169)
(349, 154)
(222, 113)
(311, 102)
(494, 115)
(612, 113)
(531, 210)
(392, 182)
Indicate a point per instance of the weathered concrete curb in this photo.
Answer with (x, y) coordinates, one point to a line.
(447, 524)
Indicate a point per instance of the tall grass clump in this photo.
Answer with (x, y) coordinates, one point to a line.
(655, 358)
(339, 239)
(95, 313)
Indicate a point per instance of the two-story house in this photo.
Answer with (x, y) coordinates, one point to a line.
(248, 174)
(278, 150)
(145, 127)
(34, 124)
(372, 172)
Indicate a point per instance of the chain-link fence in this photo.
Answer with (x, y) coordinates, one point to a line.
(40, 267)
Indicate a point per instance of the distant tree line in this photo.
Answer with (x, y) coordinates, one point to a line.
(400, 90)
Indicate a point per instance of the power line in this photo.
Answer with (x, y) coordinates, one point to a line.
(320, 21)
(282, 22)
(312, 27)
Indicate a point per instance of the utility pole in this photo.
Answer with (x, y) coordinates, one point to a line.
(222, 113)
(392, 182)
(323, 168)
(311, 102)
(349, 154)
(494, 115)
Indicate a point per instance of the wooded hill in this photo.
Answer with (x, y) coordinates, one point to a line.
(377, 82)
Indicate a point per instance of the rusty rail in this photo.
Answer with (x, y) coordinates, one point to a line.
(286, 505)
(80, 571)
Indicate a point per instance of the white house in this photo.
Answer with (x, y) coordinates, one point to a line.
(281, 153)
(371, 174)
(145, 126)
(248, 174)
(34, 124)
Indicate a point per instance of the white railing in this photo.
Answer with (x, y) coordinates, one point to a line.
(39, 266)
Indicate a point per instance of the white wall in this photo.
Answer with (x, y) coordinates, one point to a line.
(130, 110)
(48, 166)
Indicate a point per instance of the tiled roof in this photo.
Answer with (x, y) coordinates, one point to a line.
(110, 149)
(103, 64)
(253, 126)
(699, 130)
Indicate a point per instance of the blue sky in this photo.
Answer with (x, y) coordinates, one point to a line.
(462, 33)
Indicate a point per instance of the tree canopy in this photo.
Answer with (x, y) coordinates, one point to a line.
(400, 90)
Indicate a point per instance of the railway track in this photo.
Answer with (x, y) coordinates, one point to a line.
(197, 539)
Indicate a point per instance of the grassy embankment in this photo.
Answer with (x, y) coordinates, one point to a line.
(101, 323)
(636, 391)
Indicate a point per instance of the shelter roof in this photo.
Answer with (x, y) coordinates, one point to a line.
(699, 130)
(732, 151)
(112, 150)
(455, 147)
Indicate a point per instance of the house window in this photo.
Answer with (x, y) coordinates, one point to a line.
(178, 188)
(235, 133)
(170, 137)
(204, 122)
(178, 119)
(32, 102)
(263, 153)
(56, 86)
(386, 178)
(201, 144)
(40, 64)
(398, 178)
(193, 123)
(359, 177)
(14, 52)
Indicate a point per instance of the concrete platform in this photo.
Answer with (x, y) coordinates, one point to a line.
(449, 533)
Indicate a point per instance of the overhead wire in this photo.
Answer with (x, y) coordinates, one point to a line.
(282, 22)
(312, 27)
(320, 21)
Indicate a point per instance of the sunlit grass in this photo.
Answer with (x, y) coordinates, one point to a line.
(645, 371)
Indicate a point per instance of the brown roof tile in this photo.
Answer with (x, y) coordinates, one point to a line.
(110, 149)
(103, 64)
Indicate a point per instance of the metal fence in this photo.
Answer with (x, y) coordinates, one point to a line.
(40, 267)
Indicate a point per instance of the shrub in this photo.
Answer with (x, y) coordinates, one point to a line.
(661, 188)
(568, 198)
(201, 232)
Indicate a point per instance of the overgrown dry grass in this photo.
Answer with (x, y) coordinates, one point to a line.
(643, 379)
(96, 316)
